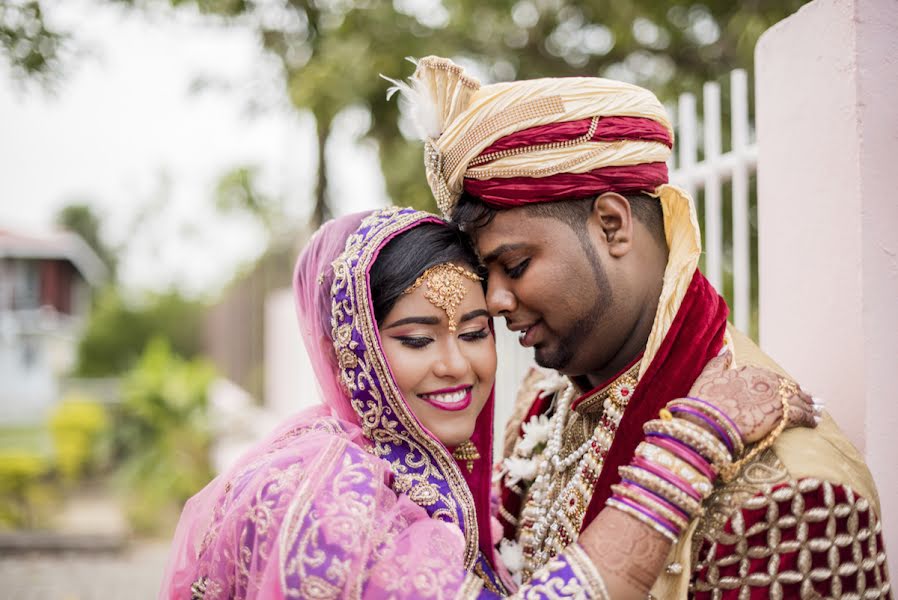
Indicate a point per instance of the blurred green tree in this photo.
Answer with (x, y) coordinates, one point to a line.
(118, 332)
(332, 51)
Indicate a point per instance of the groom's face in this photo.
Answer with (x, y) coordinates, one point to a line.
(551, 286)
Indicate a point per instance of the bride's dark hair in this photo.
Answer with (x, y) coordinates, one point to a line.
(411, 253)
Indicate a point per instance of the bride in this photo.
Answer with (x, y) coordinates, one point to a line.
(384, 489)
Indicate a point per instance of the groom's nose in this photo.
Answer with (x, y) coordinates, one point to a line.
(500, 300)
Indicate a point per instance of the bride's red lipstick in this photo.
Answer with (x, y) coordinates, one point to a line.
(437, 398)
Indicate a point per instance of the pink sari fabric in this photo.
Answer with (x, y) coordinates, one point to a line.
(350, 499)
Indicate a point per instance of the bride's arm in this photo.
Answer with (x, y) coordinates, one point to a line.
(629, 553)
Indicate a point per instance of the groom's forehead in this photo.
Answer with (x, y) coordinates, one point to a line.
(513, 231)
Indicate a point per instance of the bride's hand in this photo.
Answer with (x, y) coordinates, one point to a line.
(750, 396)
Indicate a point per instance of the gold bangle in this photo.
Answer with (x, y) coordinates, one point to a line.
(665, 489)
(786, 389)
(677, 466)
(650, 503)
(714, 415)
(694, 436)
(670, 535)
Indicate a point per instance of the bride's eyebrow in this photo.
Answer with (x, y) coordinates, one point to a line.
(474, 314)
(415, 320)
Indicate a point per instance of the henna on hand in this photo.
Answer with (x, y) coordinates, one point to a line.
(750, 396)
(630, 555)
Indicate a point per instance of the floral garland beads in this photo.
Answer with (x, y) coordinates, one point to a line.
(553, 512)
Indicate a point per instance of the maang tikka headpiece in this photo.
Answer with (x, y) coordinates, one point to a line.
(445, 288)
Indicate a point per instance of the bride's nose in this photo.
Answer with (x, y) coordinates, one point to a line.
(451, 362)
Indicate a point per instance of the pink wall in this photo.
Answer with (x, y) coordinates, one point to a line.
(827, 91)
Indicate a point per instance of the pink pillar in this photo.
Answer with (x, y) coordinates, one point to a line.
(827, 90)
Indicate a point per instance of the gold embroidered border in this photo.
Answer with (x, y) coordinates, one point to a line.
(470, 587)
(586, 572)
(302, 502)
(525, 111)
(363, 250)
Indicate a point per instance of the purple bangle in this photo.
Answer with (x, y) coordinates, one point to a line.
(655, 494)
(656, 498)
(671, 478)
(710, 422)
(687, 454)
(721, 413)
(656, 518)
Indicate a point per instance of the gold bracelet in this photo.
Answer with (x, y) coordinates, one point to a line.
(787, 388)
(677, 466)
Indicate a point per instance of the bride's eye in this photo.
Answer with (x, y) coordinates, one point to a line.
(414, 341)
(474, 336)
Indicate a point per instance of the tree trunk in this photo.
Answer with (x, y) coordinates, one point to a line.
(322, 210)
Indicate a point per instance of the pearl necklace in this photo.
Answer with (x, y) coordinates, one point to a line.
(552, 524)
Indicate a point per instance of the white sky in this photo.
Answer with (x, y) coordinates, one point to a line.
(124, 133)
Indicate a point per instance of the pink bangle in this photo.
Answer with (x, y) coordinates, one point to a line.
(656, 498)
(650, 514)
(687, 454)
(666, 475)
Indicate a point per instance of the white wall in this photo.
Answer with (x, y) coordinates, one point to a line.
(827, 88)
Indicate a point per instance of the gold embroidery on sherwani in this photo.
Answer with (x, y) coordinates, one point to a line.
(854, 555)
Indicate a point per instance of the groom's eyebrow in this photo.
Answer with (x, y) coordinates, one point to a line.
(502, 249)
(414, 320)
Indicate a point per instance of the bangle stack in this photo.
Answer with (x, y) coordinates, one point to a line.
(675, 467)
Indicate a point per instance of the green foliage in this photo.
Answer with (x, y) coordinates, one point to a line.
(31, 49)
(117, 333)
(24, 493)
(81, 219)
(162, 434)
(78, 426)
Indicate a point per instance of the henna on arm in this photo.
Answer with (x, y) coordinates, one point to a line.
(629, 555)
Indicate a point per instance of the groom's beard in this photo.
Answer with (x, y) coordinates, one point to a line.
(559, 355)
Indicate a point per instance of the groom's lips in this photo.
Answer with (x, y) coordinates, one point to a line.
(527, 334)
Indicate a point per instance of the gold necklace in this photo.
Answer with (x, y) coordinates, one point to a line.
(553, 514)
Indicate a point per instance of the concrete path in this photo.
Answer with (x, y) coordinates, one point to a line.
(133, 574)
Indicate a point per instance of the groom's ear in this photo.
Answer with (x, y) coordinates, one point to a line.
(612, 219)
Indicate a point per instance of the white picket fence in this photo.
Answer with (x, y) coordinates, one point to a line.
(705, 180)
(708, 176)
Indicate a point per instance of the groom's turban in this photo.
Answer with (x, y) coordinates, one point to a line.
(538, 140)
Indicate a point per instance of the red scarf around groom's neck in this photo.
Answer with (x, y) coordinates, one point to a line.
(694, 338)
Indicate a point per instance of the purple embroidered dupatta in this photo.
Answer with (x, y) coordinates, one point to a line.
(351, 499)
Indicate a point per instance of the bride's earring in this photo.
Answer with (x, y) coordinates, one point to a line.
(467, 452)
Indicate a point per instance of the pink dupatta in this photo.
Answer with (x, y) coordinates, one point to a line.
(350, 499)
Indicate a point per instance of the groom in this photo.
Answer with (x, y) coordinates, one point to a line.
(592, 258)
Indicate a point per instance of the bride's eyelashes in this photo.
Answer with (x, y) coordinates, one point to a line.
(410, 341)
(420, 341)
(475, 336)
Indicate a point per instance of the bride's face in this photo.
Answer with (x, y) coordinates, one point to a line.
(444, 376)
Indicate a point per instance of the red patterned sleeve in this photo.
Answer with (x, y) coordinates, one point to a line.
(800, 539)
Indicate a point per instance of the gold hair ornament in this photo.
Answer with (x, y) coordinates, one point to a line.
(445, 288)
